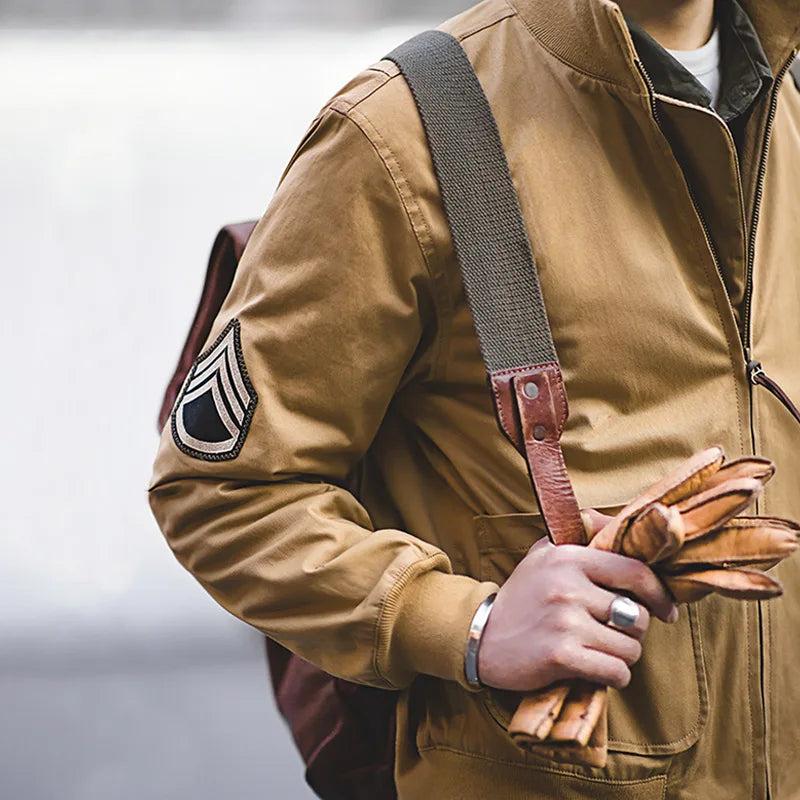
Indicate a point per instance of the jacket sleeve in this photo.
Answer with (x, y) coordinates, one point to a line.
(331, 301)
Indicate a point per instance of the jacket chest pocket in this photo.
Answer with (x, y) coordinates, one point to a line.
(663, 709)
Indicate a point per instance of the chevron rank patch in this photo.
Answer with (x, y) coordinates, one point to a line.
(213, 412)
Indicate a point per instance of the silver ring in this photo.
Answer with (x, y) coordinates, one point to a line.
(624, 613)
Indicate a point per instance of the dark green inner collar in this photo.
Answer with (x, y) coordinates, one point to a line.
(745, 70)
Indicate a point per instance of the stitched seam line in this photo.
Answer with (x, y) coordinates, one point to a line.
(486, 25)
(412, 209)
(499, 407)
(344, 106)
(697, 651)
(378, 68)
(564, 408)
(538, 768)
(771, 698)
(750, 702)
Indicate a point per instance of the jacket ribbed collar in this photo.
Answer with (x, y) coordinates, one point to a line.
(591, 36)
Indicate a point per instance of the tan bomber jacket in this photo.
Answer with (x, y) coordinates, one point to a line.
(346, 343)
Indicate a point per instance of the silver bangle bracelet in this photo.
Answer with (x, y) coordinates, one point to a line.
(474, 642)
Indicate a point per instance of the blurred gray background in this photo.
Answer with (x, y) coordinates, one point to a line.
(131, 130)
(236, 13)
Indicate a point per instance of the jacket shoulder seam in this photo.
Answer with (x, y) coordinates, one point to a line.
(506, 13)
(344, 105)
(387, 74)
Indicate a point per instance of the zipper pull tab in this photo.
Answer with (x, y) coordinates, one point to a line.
(758, 376)
(754, 370)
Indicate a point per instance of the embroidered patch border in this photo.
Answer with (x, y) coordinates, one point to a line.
(242, 399)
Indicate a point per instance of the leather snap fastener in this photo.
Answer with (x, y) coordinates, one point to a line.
(539, 432)
(530, 390)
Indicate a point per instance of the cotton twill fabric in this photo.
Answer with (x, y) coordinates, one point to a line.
(360, 345)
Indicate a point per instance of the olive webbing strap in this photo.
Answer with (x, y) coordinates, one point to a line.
(480, 202)
(491, 243)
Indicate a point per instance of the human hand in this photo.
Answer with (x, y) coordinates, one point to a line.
(549, 619)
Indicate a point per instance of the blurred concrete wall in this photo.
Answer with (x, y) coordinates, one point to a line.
(234, 14)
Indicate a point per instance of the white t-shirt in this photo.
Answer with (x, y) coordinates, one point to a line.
(704, 64)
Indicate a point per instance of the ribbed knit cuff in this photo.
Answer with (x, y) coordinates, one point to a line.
(425, 625)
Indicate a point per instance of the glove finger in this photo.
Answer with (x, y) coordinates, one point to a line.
(712, 508)
(657, 533)
(761, 469)
(592, 754)
(677, 485)
(580, 714)
(736, 545)
(686, 591)
(740, 584)
(688, 479)
(537, 713)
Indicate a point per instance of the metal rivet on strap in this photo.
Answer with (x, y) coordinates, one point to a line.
(539, 432)
(531, 390)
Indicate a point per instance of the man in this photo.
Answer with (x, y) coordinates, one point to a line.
(662, 210)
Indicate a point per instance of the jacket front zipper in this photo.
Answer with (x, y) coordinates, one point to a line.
(755, 372)
(759, 195)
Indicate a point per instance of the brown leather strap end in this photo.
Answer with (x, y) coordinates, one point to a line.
(505, 406)
(532, 408)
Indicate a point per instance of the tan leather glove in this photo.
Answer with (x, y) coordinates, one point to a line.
(686, 528)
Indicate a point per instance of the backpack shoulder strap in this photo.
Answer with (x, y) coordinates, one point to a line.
(497, 265)
(480, 202)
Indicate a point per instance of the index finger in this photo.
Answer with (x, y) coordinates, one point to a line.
(627, 575)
